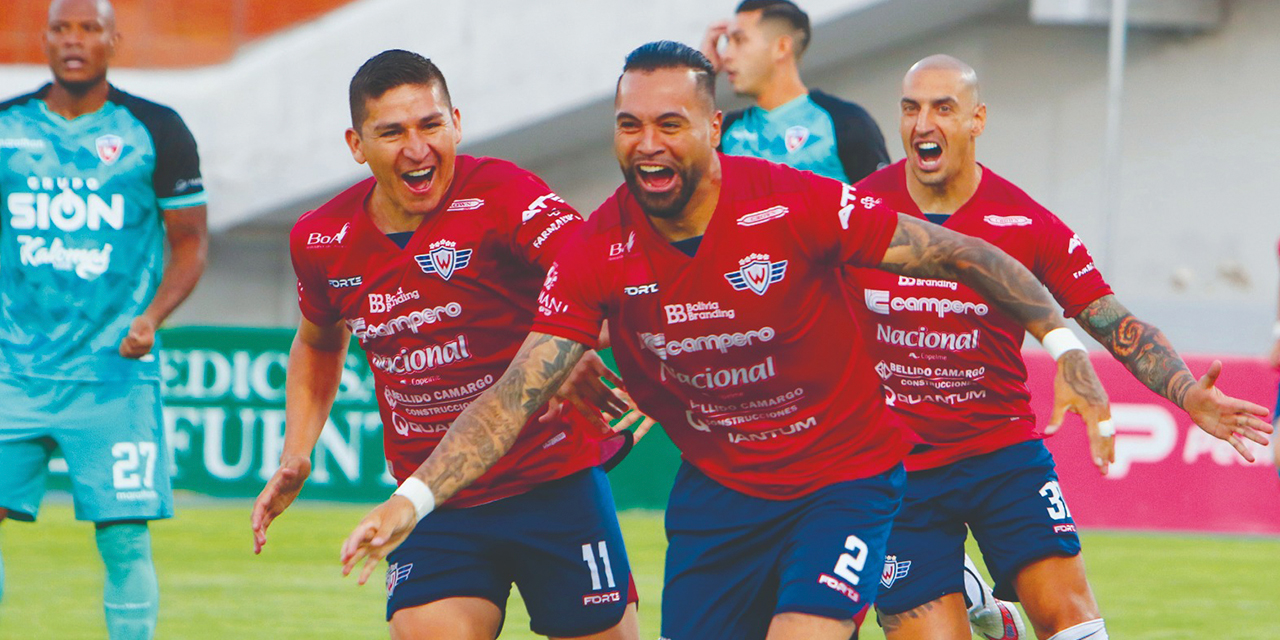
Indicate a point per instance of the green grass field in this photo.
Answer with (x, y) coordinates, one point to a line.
(1154, 587)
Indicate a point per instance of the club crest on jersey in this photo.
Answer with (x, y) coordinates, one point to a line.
(795, 137)
(397, 574)
(109, 148)
(444, 259)
(756, 272)
(894, 570)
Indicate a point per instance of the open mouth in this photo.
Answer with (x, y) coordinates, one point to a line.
(656, 177)
(419, 180)
(73, 62)
(929, 153)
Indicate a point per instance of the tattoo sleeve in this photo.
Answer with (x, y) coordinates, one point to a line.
(488, 427)
(1143, 348)
(925, 250)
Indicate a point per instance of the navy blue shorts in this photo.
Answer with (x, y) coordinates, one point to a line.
(734, 561)
(1011, 500)
(559, 543)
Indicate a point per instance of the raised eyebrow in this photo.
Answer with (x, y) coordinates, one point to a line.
(947, 100)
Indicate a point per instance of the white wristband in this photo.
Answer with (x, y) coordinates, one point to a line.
(1060, 341)
(1106, 428)
(418, 493)
(1275, 330)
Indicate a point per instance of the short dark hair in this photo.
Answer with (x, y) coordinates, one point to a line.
(386, 71)
(785, 11)
(666, 54)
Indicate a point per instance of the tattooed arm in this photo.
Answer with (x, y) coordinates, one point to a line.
(473, 444)
(1147, 354)
(925, 250)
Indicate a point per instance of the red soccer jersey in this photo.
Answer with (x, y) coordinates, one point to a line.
(950, 362)
(747, 353)
(441, 319)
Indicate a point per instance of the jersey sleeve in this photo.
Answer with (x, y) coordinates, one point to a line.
(1066, 267)
(845, 225)
(176, 180)
(572, 303)
(859, 141)
(313, 299)
(546, 222)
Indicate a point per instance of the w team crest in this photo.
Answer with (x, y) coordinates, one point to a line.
(109, 148)
(397, 574)
(893, 570)
(795, 137)
(444, 259)
(755, 273)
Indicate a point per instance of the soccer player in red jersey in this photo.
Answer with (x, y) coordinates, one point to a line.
(434, 264)
(987, 468)
(746, 350)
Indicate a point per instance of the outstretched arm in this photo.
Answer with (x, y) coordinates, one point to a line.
(925, 250)
(488, 427)
(1147, 353)
(473, 444)
(314, 375)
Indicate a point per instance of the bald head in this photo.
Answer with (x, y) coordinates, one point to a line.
(964, 77)
(942, 117)
(102, 8)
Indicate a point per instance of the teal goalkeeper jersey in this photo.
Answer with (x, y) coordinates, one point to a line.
(816, 132)
(82, 231)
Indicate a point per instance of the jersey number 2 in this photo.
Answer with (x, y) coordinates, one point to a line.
(849, 564)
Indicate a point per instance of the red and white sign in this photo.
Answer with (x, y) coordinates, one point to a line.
(1168, 474)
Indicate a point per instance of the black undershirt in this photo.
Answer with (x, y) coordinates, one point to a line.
(401, 238)
(937, 218)
(688, 246)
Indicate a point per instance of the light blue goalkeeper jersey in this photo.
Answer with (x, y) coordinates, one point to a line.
(816, 132)
(82, 231)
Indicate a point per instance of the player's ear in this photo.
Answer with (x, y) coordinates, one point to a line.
(457, 126)
(979, 119)
(783, 48)
(355, 144)
(717, 122)
(113, 43)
